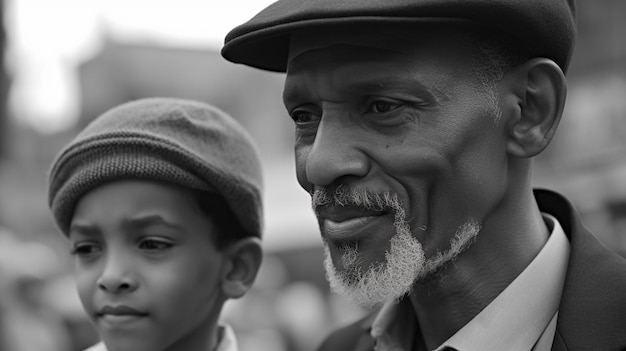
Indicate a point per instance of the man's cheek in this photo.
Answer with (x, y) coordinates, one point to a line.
(301, 156)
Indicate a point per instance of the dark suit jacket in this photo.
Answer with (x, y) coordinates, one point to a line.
(592, 312)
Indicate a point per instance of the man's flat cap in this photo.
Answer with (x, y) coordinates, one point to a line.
(545, 27)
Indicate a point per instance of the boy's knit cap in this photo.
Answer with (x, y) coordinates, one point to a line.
(184, 142)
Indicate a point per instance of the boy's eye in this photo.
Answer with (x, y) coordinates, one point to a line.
(86, 249)
(155, 245)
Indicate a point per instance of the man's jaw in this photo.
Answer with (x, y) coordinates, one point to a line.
(377, 282)
(405, 264)
(352, 224)
(368, 282)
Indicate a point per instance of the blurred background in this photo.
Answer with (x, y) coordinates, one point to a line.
(66, 61)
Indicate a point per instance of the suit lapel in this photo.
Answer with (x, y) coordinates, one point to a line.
(592, 311)
(558, 344)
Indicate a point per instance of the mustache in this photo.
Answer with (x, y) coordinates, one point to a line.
(343, 196)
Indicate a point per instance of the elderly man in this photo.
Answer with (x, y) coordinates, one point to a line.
(416, 123)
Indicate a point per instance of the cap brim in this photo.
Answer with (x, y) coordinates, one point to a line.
(268, 48)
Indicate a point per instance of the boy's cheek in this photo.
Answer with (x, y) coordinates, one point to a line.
(86, 285)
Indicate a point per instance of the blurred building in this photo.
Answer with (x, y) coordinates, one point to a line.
(4, 83)
(123, 72)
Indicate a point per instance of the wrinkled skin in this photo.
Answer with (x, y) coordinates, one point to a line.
(407, 115)
(388, 120)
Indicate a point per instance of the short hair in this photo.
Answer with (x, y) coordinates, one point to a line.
(495, 54)
(228, 228)
(492, 56)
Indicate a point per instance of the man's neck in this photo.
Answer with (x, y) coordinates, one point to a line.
(507, 243)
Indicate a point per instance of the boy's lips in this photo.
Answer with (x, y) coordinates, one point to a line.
(120, 310)
(119, 316)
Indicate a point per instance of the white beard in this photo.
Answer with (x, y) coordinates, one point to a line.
(405, 263)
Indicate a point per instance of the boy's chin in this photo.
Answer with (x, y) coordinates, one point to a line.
(131, 343)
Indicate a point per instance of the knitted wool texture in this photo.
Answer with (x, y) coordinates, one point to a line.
(184, 142)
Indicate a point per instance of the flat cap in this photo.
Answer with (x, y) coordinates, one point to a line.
(546, 27)
(183, 142)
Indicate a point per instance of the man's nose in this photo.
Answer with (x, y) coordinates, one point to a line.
(117, 275)
(335, 153)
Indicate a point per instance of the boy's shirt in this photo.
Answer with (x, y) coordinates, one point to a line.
(228, 341)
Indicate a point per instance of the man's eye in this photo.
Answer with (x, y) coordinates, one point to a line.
(85, 249)
(154, 245)
(303, 116)
(382, 106)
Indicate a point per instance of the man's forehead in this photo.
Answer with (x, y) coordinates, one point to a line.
(368, 61)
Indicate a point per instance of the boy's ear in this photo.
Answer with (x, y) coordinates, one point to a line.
(537, 88)
(243, 261)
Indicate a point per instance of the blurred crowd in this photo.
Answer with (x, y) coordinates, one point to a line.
(39, 308)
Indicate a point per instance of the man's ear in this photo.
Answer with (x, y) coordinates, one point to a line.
(244, 258)
(538, 87)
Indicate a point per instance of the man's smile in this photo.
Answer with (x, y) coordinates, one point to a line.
(348, 224)
(348, 230)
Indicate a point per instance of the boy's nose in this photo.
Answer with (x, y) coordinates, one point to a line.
(117, 277)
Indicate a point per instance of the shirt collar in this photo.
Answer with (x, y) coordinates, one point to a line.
(516, 319)
(228, 341)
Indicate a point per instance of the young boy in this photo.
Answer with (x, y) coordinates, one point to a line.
(161, 202)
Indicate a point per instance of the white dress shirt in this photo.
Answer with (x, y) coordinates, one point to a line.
(228, 341)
